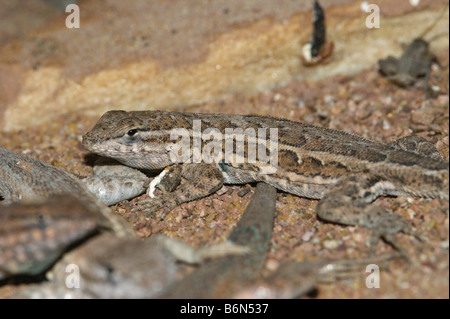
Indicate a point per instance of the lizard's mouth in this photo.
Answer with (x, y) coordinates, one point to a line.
(128, 157)
(149, 156)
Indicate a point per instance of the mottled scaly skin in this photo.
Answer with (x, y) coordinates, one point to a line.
(308, 154)
(346, 171)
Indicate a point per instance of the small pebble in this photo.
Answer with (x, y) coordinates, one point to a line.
(307, 236)
(222, 191)
(330, 244)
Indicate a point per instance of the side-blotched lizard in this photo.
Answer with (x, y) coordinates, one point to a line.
(347, 172)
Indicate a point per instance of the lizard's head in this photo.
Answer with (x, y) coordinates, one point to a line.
(139, 139)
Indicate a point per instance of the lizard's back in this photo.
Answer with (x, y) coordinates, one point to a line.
(310, 159)
(317, 158)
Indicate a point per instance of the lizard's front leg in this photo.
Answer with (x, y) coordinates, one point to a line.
(197, 181)
(349, 203)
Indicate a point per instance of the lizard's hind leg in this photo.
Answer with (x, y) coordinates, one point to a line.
(349, 203)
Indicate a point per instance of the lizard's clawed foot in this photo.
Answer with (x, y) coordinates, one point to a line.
(349, 203)
(387, 228)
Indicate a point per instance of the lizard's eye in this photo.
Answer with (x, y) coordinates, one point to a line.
(132, 132)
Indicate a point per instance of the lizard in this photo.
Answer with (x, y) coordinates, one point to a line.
(345, 171)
